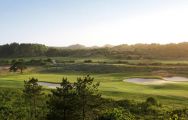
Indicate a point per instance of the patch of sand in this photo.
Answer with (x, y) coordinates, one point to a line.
(147, 81)
(49, 85)
(176, 79)
(165, 80)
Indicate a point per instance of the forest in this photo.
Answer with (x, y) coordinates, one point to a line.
(137, 51)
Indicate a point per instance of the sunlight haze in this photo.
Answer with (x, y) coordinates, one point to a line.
(94, 22)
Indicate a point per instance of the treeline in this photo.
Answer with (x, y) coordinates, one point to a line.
(138, 51)
(22, 50)
(80, 100)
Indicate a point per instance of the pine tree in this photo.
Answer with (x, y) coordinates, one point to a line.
(88, 96)
(32, 91)
(62, 103)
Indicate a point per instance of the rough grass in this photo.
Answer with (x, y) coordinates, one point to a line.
(103, 59)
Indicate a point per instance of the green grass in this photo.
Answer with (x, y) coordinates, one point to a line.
(111, 80)
(112, 86)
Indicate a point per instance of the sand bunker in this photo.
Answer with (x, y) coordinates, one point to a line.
(176, 79)
(146, 81)
(49, 85)
(157, 81)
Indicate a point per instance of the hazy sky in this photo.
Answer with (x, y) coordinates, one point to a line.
(93, 22)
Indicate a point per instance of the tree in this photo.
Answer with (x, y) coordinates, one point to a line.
(32, 91)
(88, 95)
(74, 101)
(62, 102)
(18, 65)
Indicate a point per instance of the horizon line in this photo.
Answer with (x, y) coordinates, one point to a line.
(96, 45)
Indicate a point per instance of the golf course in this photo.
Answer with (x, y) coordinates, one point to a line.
(138, 82)
(117, 81)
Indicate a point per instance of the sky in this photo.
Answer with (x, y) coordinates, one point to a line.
(93, 22)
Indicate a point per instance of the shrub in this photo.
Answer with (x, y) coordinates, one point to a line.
(88, 61)
(152, 101)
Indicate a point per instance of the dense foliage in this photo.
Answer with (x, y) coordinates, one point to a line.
(17, 65)
(22, 50)
(138, 51)
(74, 101)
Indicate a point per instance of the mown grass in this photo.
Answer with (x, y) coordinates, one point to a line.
(111, 78)
(111, 85)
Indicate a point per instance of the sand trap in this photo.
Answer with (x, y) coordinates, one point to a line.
(49, 85)
(176, 79)
(157, 81)
(146, 81)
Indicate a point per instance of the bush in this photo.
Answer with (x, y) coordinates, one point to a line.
(88, 61)
(122, 62)
(152, 101)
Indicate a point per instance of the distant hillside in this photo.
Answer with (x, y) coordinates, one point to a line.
(108, 46)
(76, 46)
(124, 51)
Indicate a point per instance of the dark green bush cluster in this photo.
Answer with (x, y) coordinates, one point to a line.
(87, 61)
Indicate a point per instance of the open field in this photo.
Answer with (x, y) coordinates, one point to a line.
(111, 83)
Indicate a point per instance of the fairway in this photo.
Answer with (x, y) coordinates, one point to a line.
(111, 86)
